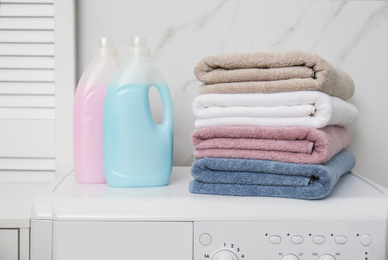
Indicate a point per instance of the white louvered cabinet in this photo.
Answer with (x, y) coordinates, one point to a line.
(37, 83)
(37, 80)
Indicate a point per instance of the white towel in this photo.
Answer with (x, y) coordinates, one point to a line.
(299, 108)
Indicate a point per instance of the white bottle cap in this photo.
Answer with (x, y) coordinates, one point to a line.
(138, 47)
(105, 48)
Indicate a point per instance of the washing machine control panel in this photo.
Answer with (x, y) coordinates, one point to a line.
(289, 241)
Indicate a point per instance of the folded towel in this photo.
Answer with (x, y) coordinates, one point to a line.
(306, 145)
(300, 108)
(242, 177)
(269, 72)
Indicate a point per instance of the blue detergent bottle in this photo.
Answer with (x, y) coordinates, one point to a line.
(137, 152)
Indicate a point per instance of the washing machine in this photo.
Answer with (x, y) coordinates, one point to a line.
(72, 221)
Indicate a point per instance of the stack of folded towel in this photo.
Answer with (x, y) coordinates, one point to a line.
(271, 124)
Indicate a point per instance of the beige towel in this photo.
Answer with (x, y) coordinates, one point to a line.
(271, 72)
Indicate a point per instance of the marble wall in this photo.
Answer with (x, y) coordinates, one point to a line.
(351, 35)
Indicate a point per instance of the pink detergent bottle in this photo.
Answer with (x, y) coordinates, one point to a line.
(88, 110)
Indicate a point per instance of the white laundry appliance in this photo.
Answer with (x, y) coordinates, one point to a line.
(73, 221)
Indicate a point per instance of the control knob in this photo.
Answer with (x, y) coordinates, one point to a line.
(224, 255)
(290, 257)
(326, 257)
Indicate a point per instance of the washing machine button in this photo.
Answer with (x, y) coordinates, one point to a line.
(341, 240)
(319, 240)
(275, 239)
(365, 240)
(205, 239)
(297, 240)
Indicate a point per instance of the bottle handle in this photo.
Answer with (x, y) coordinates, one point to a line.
(168, 113)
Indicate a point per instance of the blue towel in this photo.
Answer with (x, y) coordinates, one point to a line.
(245, 177)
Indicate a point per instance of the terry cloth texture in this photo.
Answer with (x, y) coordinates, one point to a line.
(306, 145)
(242, 177)
(270, 72)
(301, 108)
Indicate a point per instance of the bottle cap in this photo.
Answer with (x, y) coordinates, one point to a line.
(105, 48)
(138, 47)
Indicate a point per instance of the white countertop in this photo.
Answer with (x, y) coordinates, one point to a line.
(353, 199)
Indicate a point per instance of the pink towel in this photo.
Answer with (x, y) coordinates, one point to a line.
(306, 145)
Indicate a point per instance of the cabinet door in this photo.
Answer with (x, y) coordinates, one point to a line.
(37, 82)
(9, 244)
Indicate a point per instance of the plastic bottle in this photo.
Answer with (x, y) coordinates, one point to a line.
(88, 110)
(137, 152)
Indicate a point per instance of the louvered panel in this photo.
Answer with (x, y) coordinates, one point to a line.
(28, 62)
(27, 101)
(27, 75)
(26, 88)
(38, 164)
(27, 139)
(26, 10)
(27, 1)
(9, 36)
(28, 49)
(27, 175)
(28, 23)
(31, 84)
(27, 113)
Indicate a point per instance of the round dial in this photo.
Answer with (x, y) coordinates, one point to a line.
(326, 257)
(290, 257)
(224, 255)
